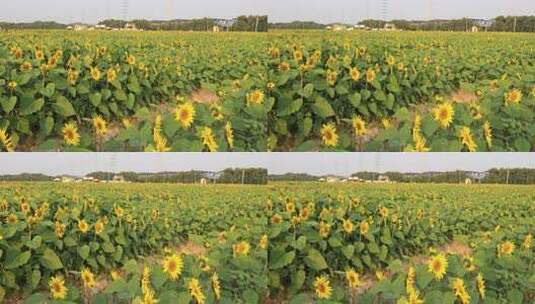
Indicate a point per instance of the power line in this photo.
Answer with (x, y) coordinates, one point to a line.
(384, 9)
(124, 7)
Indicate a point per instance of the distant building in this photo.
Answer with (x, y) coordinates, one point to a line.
(130, 27)
(474, 29)
(67, 179)
(215, 29)
(390, 27)
(383, 179)
(337, 27)
(118, 179)
(355, 179)
(468, 181)
(332, 179)
(79, 27)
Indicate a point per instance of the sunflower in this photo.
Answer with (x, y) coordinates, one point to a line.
(12, 85)
(131, 59)
(364, 227)
(72, 76)
(487, 132)
(172, 265)
(111, 75)
(414, 297)
(216, 286)
(513, 97)
(59, 229)
(409, 283)
(323, 287)
(506, 248)
(481, 285)
(528, 241)
(354, 73)
(444, 114)
(83, 226)
(331, 77)
(88, 278)
(57, 287)
(298, 56)
(160, 143)
(12, 218)
(6, 141)
(39, 55)
(390, 60)
(437, 266)
(195, 291)
(284, 66)
(370, 75)
(276, 219)
(229, 134)
(26, 66)
(100, 125)
(119, 212)
(352, 278)
(255, 97)
(149, 297)
(71, 137)
(420, 143)
(95, 74)
(460, 291)
(359, 126)
(328, 135)
(465, 135)
(185, 114)
(208, 140)
(242, 248)
(348, 226)
(325, 229)
(383, 211)
(99, 227)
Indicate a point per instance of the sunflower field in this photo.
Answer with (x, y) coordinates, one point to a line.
(277, 91)
(131, 244)
(401, 244)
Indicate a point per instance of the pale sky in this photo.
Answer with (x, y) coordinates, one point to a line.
(277, 163)
(349, 11)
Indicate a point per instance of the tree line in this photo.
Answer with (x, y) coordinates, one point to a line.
(517, 176)
(252, 176)
(499, 24)
(241, 24)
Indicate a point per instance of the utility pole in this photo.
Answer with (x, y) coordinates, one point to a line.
(242, 176)
(514, 26)
(507, 178)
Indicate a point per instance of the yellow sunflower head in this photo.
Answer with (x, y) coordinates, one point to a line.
(100, 125)
(185, 114)
(513, 97)
(57, 288)
(331, 77)
(95, 74)
(359, 126)
(370, 75)
(322, 287)
(255, 97)
(172, 265)
(444, 114)
(71, 137)
(111, 75)
(437, 266)
(328, 135)
(355, 74)
(352, 278)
